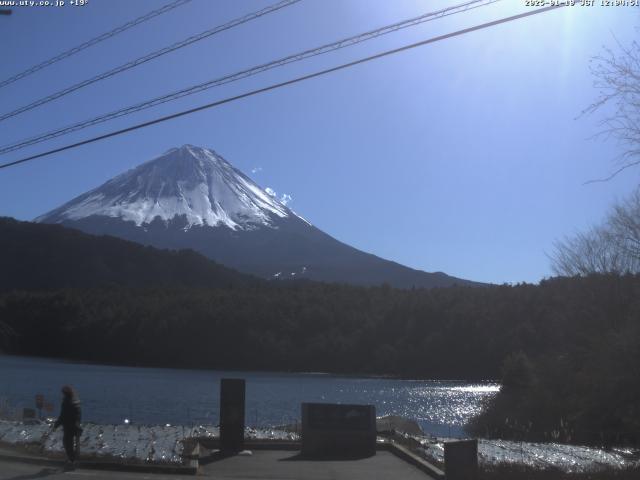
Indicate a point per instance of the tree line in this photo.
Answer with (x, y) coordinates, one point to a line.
(612, 246)
(568, 349)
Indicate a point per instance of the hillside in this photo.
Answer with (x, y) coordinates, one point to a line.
(45, 257)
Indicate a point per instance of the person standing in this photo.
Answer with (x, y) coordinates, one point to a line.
(70, 416)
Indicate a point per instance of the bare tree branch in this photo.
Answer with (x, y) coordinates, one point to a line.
(617, 78)
(613, 247)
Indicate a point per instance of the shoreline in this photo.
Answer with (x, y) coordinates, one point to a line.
(174, 445)
(372, 376)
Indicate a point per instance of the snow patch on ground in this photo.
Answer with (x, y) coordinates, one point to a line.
(155, 444)
(568, 458)
(165, 445)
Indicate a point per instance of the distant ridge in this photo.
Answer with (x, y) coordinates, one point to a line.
(51, 257)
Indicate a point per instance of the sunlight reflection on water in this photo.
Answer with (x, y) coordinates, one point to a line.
(159, 396)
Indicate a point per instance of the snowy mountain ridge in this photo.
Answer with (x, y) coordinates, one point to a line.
(192, 198)
(189, 181)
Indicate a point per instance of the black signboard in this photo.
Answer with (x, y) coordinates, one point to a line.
(232, 404)
(326, 416)
(461, 460)
(336, 430)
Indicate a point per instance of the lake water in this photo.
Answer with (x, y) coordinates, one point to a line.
(111, 394)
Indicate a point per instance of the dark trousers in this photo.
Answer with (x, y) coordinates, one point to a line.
(71, 443)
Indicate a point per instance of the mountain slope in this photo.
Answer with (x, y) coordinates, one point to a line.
(192, 182)
(191, 197)
(44, 257)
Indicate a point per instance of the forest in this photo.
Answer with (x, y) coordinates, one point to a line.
(36, 256)
(567, 350)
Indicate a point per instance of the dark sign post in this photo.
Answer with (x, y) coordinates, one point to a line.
(232, 397)
(335, 430)
(39, 404)
(461, 460)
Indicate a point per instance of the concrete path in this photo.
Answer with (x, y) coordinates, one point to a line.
(25, 471)
(286, 465)
(272, 465)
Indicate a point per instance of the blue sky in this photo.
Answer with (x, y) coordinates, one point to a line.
(467, 156)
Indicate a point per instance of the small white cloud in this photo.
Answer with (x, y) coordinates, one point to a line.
(256, 169)
(286, 198)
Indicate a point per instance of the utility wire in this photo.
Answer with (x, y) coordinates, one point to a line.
(158, 53)
(284, 84)
(90, 43)
(345, 42)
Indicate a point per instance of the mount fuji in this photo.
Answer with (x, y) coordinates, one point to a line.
(191, 197)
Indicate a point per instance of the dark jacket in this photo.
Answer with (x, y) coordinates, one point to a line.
(70, 416)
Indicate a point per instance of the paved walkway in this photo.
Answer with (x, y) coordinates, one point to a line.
(285, 465)
(268, 464)
(25, 471)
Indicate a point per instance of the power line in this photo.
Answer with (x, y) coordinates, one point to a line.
(247, 73)
(149, 57)
(284, 84)
(343, 43)
(112, 33)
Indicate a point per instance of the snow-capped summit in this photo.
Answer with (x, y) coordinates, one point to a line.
(193, 182)
(191, 197)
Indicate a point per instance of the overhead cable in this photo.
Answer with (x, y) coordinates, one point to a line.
(141, 60)
(330, 47)
(284, 84)
(94, 41)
